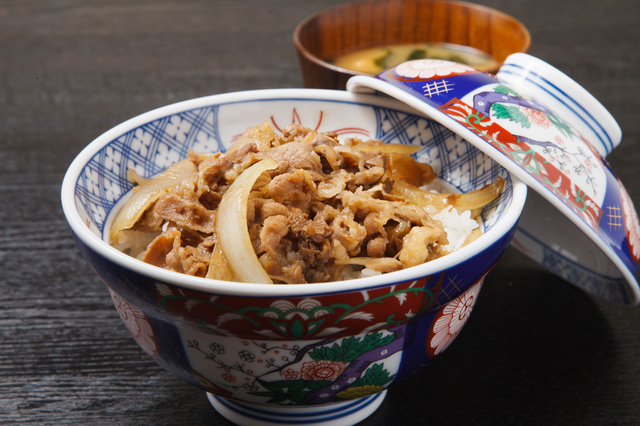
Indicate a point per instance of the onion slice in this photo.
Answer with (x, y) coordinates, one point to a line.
(232, 230)
(380, 264)
(389, 148)
(461, 202)
(219, 268)
(148, 193)
(480, 197)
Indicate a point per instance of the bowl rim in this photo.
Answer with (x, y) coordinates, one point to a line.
(97, 244)
(302, 49)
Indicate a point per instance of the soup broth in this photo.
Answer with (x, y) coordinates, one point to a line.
(376, 59)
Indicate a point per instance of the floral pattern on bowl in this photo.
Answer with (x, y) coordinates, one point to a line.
(553, 135)
(317, 352)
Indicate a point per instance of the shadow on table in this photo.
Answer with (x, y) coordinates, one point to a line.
(535, 350)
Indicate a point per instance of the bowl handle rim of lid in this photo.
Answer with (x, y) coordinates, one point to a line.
(535, 78)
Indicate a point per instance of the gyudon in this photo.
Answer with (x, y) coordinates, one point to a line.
(296, 207)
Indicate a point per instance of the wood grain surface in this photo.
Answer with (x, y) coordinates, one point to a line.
(536, 350)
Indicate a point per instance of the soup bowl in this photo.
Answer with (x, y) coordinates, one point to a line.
(274, 354)
(352, 27)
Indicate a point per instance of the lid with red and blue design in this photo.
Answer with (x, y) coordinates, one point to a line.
(579, 221)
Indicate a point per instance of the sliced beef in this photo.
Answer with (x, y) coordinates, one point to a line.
(326, 207)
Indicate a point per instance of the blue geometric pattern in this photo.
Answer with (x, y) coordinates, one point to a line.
(154, 146)
(608, 286)
(612, 289)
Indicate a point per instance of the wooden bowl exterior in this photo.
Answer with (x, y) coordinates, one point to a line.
(381, 22)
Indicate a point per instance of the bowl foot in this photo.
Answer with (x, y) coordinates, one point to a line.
(344, 413)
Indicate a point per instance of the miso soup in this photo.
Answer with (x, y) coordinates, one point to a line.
(376, 59)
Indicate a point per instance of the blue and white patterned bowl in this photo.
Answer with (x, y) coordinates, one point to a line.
(547, 130)
(274, 353)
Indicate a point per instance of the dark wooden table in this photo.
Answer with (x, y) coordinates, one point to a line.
(536, 350)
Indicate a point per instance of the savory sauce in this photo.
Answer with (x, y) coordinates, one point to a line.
(376, 59)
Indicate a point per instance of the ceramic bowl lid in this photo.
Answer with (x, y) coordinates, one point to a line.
(579, 221)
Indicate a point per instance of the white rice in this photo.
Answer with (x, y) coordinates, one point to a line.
(457, 226)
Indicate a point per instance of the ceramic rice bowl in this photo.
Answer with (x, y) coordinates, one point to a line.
(306, 353)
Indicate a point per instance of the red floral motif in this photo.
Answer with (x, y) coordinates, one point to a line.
(228, 377)
(210, 386)
(521, 153)
(334, 315)
(559, 141)
(537, 118)
(295, 119)
(137, 323)
(290, 374)
(631, 223)
(451, 319)
(322, 370)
